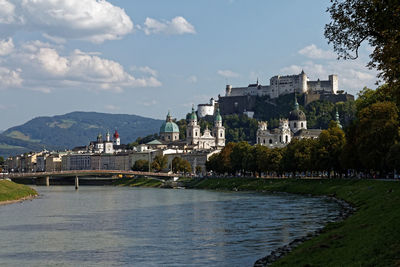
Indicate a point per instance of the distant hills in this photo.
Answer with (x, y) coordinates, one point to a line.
(73, 129)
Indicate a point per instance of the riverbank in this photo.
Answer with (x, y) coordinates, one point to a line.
(11, 192)
(369, 237)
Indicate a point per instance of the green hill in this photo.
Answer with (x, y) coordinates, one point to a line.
(73, 129)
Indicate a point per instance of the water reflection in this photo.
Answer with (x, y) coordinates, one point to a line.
(107, 226)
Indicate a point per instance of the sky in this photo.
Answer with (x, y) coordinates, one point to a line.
(148, 57)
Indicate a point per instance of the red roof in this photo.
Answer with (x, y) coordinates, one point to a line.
(116, 134)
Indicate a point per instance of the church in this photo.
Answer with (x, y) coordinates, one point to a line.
(294, 127)
(107, 146)
(195, 139)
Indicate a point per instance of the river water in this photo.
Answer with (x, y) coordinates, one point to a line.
(121, 226)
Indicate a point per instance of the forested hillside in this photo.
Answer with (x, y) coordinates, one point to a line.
(73, 129)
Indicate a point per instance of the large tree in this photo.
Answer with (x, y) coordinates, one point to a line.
(141, 165)
(159, 163)
(329, 148)
(181, 165)
(375, 22)
(378, 130)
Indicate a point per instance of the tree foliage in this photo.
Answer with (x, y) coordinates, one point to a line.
(374, 22)
(159, 163)
(181, 165)
(378, 130)
(240, 128)
(141, 165)
(329, 148)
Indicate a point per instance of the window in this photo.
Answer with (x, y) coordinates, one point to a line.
(287, 139)
(294, 125)
(280, 139)
(258, 140)
(195, 133)
(263, 141)
(302, 125)
(220, 134)
(190, 134)
(270, 141)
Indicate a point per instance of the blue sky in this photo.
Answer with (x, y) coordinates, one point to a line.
(148, 57)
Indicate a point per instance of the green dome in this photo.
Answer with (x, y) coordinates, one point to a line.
(218, 116)
(169, 127)
(193, 116)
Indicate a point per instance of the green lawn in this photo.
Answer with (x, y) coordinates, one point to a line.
(13, 191)
(370, 237)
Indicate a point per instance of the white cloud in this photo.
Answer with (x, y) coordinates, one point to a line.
(7, 12)
(42, 68)
(92, 20)
(312, 51)
(352, 74)
(6, 46)
(146, 70)
(177, 26)
(9, 78)
(227, 73)
(192, 79)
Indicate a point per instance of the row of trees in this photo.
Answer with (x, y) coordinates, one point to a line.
(160, 163)
(302, 155)
(369, 145)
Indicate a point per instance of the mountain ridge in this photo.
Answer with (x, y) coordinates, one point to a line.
(72, 129)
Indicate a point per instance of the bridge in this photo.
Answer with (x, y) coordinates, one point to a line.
(44, 177)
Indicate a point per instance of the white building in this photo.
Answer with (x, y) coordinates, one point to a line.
(206, 109)
(282, 85)
(294, 127)
(209, 139)
(107, 146)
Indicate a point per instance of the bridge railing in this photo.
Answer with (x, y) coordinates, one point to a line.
(86, 172)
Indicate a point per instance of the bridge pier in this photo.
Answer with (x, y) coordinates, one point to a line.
(47, 180)
(76, 182)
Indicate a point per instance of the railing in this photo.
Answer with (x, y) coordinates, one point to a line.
(86, 172)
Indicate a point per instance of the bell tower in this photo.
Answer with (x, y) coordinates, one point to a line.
(193, 130)
(219, 130)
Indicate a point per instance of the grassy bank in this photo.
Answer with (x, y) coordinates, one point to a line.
(370, 237)
(10, 191)
(138, 182)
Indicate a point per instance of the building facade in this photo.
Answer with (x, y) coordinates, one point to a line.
(282, 85)
(294, 127)
(210, 139)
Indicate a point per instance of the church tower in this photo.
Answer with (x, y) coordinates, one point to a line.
(193, 130)
(117, 140)
(219, 130)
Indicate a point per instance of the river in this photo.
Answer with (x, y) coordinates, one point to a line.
(121, 226)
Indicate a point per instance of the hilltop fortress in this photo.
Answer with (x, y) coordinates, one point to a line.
(282, 85)
(242, 100)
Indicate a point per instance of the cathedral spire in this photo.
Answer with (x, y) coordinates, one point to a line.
(296, 105)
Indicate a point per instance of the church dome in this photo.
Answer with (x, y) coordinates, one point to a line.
(297, 115)
(193, 115)
(169, 126)
(218, 117)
